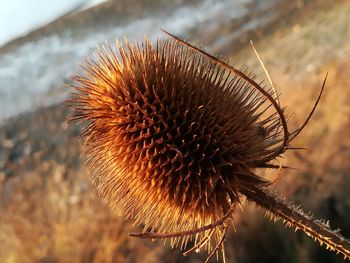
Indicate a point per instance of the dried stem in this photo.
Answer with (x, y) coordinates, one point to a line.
(293, 216)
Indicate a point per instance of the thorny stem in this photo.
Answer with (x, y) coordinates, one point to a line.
(295, 217)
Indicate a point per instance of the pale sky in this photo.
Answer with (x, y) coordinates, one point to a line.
(18, 17)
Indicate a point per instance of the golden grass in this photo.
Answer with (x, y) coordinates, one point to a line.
(61, 219)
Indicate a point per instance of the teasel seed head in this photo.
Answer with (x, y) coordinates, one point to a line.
(173, 136)
(170, 134)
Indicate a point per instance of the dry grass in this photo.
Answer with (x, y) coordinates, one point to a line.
(60, 219)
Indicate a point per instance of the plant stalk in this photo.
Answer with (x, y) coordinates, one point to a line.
(294, 216)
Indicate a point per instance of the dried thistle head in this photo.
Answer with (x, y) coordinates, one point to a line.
(173, 138)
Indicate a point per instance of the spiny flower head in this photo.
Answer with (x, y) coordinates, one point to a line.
(173, 136)
(170, 134)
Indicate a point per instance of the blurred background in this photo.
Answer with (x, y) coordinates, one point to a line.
(49, 212)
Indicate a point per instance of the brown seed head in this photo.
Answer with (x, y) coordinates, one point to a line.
(171, 135)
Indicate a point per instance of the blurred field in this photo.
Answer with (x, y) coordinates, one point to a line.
(49, 212)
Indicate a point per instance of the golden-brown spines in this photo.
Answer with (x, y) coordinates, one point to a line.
(170, 134)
